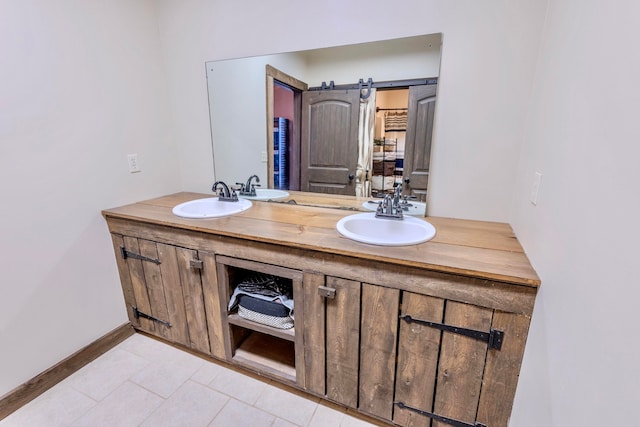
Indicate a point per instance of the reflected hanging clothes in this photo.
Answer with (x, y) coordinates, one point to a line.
(366, 122)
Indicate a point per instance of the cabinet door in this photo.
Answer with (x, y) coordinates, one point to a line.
(451, 367)
(331, 337)
(350, 342)
(213, 304)
(378, 333)
(439, 372)
(418, 350)
(163, 290)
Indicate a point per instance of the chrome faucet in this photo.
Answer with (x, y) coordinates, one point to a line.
(224, 195)
(249, 189)
(389, 208)
(397, 193)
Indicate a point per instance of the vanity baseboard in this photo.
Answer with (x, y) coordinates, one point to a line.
(42, 382)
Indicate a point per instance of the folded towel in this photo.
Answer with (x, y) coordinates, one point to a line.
(379, 182)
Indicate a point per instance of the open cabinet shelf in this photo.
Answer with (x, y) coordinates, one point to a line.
(266, 353)
(260, 346)
(285, 334)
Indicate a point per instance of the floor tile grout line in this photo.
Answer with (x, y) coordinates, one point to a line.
(312, 415)
(219, 411)
(151, 391)
(162, 356)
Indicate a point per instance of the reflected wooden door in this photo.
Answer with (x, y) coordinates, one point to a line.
(329, 142)
(417, 155)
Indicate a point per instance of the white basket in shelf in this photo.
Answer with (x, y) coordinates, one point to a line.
(265, 319)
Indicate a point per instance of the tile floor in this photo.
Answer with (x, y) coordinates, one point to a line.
(143, 382)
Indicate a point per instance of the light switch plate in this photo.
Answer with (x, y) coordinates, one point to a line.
(535, 188)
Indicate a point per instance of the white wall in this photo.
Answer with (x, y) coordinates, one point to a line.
(239, 140)
(85, 82)
(81, 86)
(488, 59)
(582, 237)
(397, 59)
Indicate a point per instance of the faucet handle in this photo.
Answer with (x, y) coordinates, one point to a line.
(405, 201)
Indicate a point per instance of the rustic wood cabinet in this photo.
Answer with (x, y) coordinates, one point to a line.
(170, 292)
(408, 342)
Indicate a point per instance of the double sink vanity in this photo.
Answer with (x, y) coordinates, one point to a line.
(412, 332)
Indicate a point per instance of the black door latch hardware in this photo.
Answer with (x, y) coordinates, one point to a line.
(450, 421)
(493, 338)
(128, 254)
(137, 314)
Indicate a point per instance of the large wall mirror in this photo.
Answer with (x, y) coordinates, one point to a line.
(347, 120)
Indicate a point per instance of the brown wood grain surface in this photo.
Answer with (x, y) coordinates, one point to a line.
(155, 287)
(472, 248)
(486, 293)
(125, 277)
(298, 321)
(342, 333)
(501, 371)
(314, 334)
(179, 331)
(418, 351)
(139, 286)
(213, 304)
(461, 364)
(193, 300)
(378, 334)
(352, 349)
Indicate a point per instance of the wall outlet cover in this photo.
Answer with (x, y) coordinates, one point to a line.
(134, 166)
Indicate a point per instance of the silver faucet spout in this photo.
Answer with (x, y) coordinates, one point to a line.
(248, 184)
(397, 193)
(249, 189)
(224, 195)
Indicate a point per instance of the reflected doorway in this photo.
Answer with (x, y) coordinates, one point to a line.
(399, 152)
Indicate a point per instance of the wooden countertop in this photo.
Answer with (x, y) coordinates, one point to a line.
(486, 250)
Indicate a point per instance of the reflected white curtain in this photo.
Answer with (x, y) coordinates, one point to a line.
(366, 122)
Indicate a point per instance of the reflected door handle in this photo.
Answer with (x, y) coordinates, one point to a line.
(407, 180)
